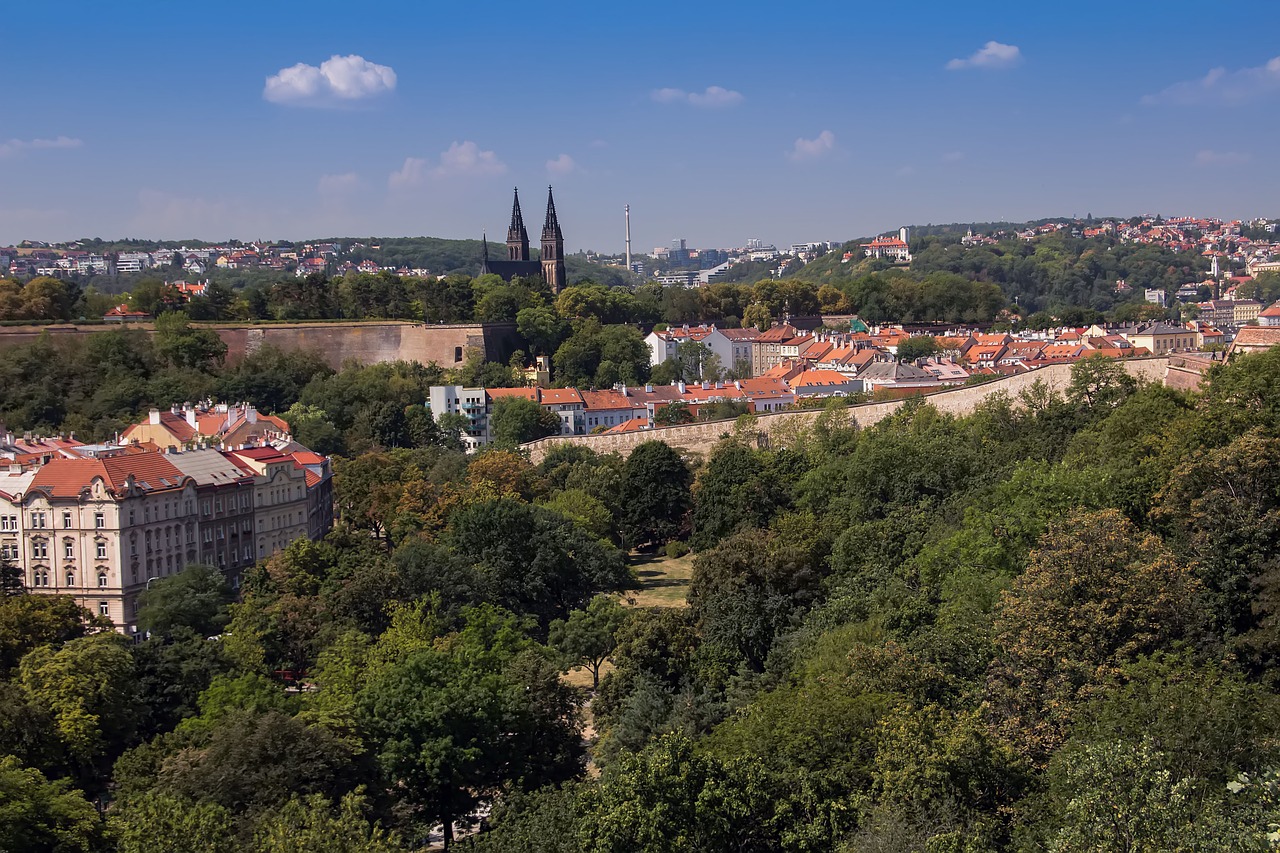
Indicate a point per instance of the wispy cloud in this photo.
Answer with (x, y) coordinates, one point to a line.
(1222, 86)
(1209, 157)
(812, 149)
(411, 174)
(991, 55)
(953, 157)
(15, 147)
(338, 81)
(466, 159)
(562, 165)
(338, 184)
(462, 159)
(712, 96)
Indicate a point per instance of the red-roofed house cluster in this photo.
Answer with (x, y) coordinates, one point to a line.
(99, 522)
(786, 365)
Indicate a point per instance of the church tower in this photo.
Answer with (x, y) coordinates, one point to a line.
(517, 237)
(552, 248)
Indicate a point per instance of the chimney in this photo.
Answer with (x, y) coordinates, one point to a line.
(153, 417)
(190, 411)
(680, 384)
(648, 389)
(250, 414)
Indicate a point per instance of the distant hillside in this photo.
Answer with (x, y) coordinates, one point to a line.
(444, 257)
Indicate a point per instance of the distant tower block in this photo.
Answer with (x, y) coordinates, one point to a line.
(904, 234)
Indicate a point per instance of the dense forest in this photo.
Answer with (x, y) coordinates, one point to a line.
(1050, 625)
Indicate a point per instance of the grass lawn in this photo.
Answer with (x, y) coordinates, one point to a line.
(664, 581)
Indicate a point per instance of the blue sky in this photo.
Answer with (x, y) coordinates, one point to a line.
(716, 122)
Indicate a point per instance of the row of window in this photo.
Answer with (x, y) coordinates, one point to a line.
(40, 550)
(40, 577)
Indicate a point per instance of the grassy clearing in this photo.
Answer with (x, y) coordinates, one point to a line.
(664, 581)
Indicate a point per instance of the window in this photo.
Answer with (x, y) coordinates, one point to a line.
(66, 519)
(102, 550)
(71, 579)
(104, 608)
(37, 520)
(8, 522)
(133, 573)
(102, 580)
(99, 520)
(40, 550)
(69, 550)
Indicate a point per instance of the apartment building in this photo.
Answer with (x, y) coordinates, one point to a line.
(101, 529)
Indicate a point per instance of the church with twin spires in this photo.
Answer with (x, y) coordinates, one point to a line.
(551, 264)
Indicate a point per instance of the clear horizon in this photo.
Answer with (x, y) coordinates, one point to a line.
(308, 120)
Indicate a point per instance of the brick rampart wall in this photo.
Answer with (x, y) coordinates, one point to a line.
(364, 342)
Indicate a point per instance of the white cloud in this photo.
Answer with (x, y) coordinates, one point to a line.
(712, 96)
(953, 157)
(1209, 157)
(338, 184)
(411, 174)
(811, 149)
(905, 172)
(339, 80)
(16, 146)
(562, 165)
(1222, 86)
(466, 159)
(463, 159)
(993, 54)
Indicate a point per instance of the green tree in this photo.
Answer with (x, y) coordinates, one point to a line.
(88, 687)
(917, 346)
(166, 823)
(37, 814)
(541, 328)
(517, 420)
(30, 621)
(670, 797)
(1118, 797)
(588, 637)
(455, 722)
(196, 598)
(183, 346)
(654, 494)
(306, 824)
(672, 414)
(1096, 595)
(1099, 382)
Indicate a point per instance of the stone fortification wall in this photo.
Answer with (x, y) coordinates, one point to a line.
(363, 342)
(701, 437)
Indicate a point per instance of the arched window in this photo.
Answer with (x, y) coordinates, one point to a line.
(102, 580)
(71, 578)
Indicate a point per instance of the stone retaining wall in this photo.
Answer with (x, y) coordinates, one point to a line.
(701, 437)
